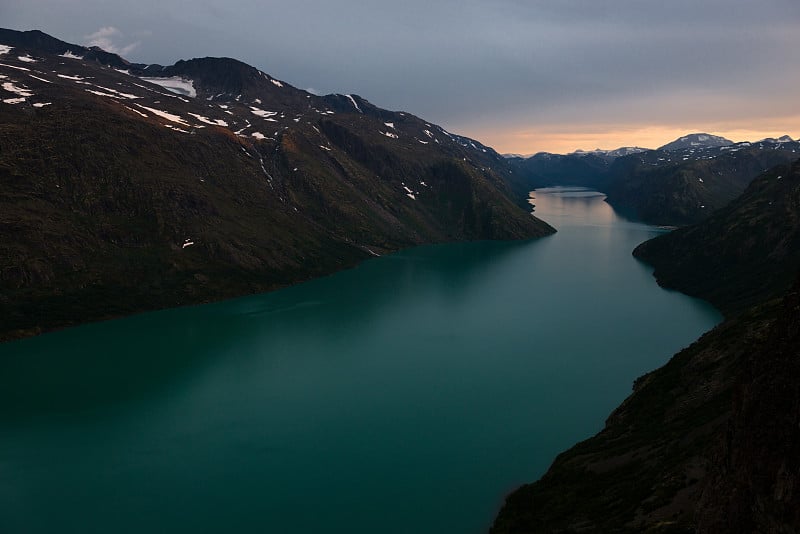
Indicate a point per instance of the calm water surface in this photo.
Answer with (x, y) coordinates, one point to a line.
(408, 395)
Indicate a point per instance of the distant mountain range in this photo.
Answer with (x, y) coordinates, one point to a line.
(126, 187)
(680, 183)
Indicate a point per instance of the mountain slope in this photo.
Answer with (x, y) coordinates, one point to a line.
(759, 255)
(708, 443)
(210, 179)
(680, 187)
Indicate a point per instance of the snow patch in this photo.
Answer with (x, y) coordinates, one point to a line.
(40, 79)
(389, 124)
(26, 59)
(175, 84)
(355, 104)
(137, 111)
(68, 77)
(412, 197)
(5, 49)
(212, 122)
(258, 135)
(171, 127)
(276, 83)
(100, 93)
(21, 91)
(389, 134)
(165, 115)
(13, 67)
(14, 100)
(261, 113)
(325, 148)
(120, 93)
(68, 54)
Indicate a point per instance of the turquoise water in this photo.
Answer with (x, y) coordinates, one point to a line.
(408, 395)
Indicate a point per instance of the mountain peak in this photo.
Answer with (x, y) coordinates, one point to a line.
(698, 140)
(781, 139)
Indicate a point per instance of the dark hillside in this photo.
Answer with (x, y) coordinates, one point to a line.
(135, 188)
(710, 442)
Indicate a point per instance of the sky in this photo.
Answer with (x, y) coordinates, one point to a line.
(520, 76)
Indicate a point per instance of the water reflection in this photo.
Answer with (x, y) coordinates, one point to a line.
(578, 206)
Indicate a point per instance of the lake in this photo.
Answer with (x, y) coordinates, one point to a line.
(407, 395)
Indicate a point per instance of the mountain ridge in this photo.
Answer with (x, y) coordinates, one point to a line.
(122, 193)
(675, 187)
(696, 140)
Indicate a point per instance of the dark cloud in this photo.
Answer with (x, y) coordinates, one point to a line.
(464, 63)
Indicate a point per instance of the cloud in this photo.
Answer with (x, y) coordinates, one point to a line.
(105, 38)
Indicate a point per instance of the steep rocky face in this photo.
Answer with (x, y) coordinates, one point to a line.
(210, 179)
(647, 469)
(754, 483)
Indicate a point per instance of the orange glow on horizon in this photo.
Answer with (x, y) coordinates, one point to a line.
(562, 139)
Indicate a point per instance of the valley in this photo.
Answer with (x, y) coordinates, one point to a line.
(234, 303)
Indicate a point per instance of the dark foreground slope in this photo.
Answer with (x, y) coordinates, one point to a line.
(118, 195)
(709, 442)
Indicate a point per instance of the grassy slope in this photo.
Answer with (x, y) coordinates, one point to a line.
(95, 205)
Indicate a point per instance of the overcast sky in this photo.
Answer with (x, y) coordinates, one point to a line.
(521, 76)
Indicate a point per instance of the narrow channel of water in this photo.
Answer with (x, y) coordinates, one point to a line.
(408, 395)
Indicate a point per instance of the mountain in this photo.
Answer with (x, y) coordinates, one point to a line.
(759, 255)
(685, 186)
(695, 140)
(781, 139)
(675, 187)
(130, 187)
(544, 169)
(711, 441)
(616, 153)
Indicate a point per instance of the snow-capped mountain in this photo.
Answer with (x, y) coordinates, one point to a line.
(616, 153)
(696, 140)
(132, 186)
(781, 139)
